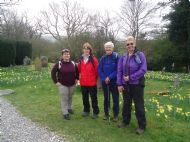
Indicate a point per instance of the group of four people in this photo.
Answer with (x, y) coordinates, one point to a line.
(123, 74)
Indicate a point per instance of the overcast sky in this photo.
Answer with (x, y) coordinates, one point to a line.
(33, 7)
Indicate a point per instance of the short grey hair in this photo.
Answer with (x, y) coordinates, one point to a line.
(109, 43)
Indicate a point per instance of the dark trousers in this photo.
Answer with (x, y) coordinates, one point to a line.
(92, 91)
(107, 89)
(135, 93)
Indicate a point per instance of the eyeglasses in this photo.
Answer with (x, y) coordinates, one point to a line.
(129, 44)
(65, 50)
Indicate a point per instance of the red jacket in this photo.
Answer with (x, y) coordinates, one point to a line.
(88, 72)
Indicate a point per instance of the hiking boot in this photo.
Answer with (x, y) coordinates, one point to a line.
(85, 114)
(94, 116)
(139, 131)
(115, 119)
(122, 125)
(70, 111)
(106, 117)
(66, 117)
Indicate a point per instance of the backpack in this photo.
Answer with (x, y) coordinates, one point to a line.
(115, 59)
(137, 57)
(60, 64)
(91, 59)
(115, 56)
(59, 67)
(138, 61)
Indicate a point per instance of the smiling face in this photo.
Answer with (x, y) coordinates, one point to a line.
(87, 49)
(66, 56)
(108, 49)
(108, 46)
(130, 44)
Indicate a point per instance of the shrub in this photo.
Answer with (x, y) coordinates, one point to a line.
(38, 64)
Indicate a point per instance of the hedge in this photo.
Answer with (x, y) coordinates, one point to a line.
(7, 53)
(22, 49)
(13, 52)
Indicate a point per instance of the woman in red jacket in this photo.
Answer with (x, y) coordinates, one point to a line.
(88, 69)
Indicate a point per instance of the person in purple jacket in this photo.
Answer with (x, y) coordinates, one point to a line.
(65, 75)
(130, 80)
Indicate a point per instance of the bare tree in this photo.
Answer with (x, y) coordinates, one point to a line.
(8, 2)
(108, 24)
(5, 4)
(15, 27)
(64, 20)
(136, 16)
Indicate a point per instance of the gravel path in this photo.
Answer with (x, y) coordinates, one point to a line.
(16, 128)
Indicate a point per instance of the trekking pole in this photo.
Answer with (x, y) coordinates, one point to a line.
(108, 103)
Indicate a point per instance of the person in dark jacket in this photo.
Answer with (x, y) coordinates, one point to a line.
(130, 80)
(88, 69)
(65, 75)
(107, 71)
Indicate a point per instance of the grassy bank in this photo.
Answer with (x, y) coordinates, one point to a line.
(36, 97)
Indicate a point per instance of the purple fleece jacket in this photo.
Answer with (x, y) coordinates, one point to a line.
(132, 68)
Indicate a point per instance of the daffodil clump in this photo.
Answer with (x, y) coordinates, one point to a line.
(173, 109)
(166, 76)
(19, 75)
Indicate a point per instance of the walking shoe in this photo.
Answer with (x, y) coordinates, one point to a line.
(106, 117)
(139, 131)
(122, 125)
(115, 119)
(66, 117)
(85, 114)
(70, 111)
(94, 116)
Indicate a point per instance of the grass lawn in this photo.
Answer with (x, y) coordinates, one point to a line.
(168, 117)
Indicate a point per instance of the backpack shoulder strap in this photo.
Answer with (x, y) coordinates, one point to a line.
(103, 58)
(91, 59)
(73, 63)
(115, 54)
(60, 64)
(138, 57)
(75, 67)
